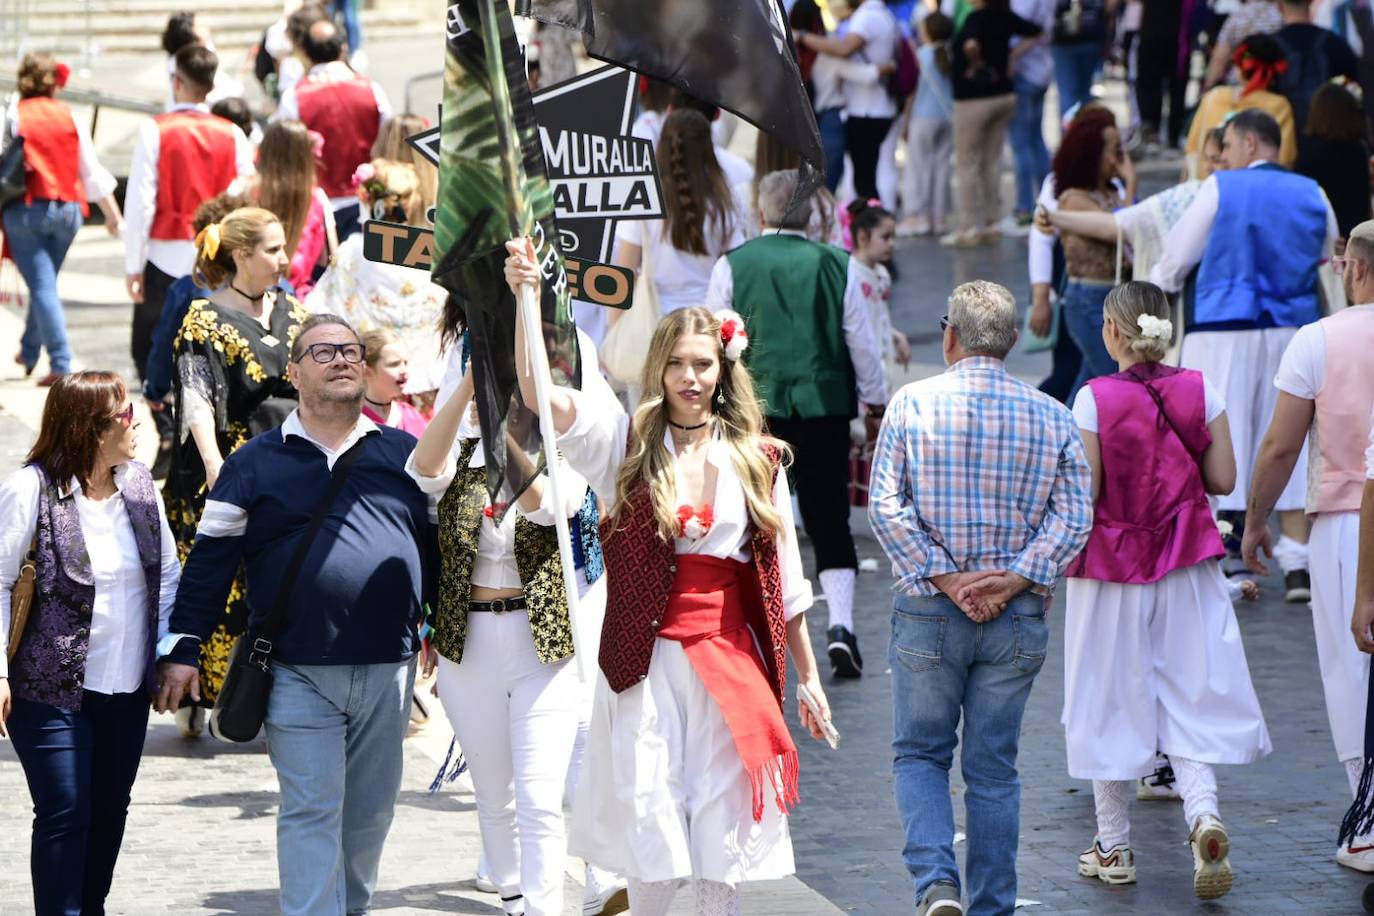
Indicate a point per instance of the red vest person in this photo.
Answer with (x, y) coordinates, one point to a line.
(181, 159)
(63, 174)
(345, 108)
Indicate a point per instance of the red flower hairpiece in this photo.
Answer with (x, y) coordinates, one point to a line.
(733, 337)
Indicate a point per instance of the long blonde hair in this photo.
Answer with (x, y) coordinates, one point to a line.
(391, 144)
(739, 419)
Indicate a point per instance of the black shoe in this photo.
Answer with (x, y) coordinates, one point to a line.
(1299, 586)
(845, 660)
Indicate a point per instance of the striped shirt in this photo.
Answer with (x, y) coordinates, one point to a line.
(975, 470)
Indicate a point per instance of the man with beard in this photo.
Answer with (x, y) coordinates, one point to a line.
(1326, 394)
(352, 564)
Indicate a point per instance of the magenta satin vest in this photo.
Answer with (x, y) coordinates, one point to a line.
(1151, 516)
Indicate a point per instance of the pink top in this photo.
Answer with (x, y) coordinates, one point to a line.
(1151, 516)
(404, 413)
(1340, 427)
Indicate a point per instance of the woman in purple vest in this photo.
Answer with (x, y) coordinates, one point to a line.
(1152, 655)
(75, 681)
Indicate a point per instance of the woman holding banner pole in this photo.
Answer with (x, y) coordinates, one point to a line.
(690, 768)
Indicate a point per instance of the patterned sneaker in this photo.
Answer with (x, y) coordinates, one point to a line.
(1212, 876)
(1110, 866)
(1357, 854)
(1159, 785)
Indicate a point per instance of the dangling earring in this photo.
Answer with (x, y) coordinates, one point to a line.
(720, 397)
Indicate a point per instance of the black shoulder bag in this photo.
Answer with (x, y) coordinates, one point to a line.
(13, 175)
(242, 702)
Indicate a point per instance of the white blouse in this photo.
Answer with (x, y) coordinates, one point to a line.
(119, 640)
(494, 566)
(595, 446)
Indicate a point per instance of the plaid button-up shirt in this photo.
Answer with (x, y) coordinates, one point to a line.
(975, 470)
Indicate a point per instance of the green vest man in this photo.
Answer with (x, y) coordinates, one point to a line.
(814, 357)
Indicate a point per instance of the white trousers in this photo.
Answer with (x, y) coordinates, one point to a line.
(1156, 667)
(516, 720)
(1333, 553)
(1242, 365)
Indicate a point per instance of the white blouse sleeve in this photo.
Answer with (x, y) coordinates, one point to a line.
(19, 509)
(796, 588)
(594, 445)
(437, 485)
(573, 490)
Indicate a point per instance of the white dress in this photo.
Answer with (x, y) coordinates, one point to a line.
(663, 793)
(875, 286)
(1158, 666)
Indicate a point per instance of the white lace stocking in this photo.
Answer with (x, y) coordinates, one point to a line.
(715, 899)
(1112, 799)
(651, 898)
(1197, 783)
(838, 585)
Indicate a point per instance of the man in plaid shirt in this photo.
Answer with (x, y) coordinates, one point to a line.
(981, 495)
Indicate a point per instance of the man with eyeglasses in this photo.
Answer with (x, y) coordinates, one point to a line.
(1256, 233)
(1325, 396)
(344, 659)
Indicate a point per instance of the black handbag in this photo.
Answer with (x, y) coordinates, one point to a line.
(14, 179)
(242, 702)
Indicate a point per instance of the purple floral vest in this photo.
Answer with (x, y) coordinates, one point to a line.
(50, 666)
(1151, 516)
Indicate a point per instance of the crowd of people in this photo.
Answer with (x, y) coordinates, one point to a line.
(325, 479)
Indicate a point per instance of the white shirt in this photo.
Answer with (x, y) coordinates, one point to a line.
(288, 109)
(1036, 66)
(829, 76)
(865, 350)
(1186, 242)
(1302, 371)
(118, 650)
(878, 27)
(95, 178)
(681, 278)
(494, 565)
(176, 258)
(1085, 406)
(1040, 246)
(595, 446)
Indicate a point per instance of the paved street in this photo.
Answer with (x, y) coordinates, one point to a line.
(201, 837)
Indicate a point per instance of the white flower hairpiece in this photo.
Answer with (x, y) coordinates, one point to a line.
(733, 337)
(1150, 326)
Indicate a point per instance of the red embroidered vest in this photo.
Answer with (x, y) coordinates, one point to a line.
(640, 566)
(345, 113)
(52, 152)
(197, 158)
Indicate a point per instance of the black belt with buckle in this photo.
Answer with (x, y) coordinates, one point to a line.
(499, 605)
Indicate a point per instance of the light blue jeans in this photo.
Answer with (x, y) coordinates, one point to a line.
(945, 665)
(1030, 157)
(334, 736)
(39, 235)
(1082, 318)
(1074, 67)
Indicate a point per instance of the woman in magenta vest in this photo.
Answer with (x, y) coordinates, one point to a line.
(1152, 655)
(74, 687)
(689, 768)
(63, 174)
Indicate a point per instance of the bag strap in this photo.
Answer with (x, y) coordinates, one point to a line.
(262, 643)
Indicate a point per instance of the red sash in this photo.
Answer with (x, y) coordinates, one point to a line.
(707, 614)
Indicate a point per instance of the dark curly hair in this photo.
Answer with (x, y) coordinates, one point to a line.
(1078, 161)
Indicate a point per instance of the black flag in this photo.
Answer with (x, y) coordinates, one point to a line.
(737, 54)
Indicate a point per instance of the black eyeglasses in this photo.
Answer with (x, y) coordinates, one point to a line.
(945, 323)
(324, 353)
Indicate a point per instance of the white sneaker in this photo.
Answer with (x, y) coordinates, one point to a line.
(190, 721)
(1212, 875)
(963, 238)
(605, 893)
(484, 884)
(1110, 866)
(1357, 854)
(913, 226)
(1159, 785)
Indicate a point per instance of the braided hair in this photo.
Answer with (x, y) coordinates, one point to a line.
(699, 204)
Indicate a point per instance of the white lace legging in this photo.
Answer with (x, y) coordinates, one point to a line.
(652, 898)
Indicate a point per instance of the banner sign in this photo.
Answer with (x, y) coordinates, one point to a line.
(599, 174)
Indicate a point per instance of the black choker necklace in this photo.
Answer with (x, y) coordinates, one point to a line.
(257, 298)
(688, 428)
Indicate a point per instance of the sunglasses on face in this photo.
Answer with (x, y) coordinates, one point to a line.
(324, 353)
(1340, 265)
(125, 417)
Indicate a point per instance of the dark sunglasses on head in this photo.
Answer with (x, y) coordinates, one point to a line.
(125, 417)
(946, 323)
(324, 353)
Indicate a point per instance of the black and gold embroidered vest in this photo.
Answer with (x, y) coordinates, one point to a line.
(536, 558)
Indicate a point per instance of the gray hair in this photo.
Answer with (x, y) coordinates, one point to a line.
(315, 321)
(1360, 244)
(984, 315)
(776, 193)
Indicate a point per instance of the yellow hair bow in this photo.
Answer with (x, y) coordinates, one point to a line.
(208, 241)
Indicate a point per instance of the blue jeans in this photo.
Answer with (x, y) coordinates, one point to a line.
(39, 235)
(1030, 156)
(80, 767)
(334, 736)
(1074, 67)
(1082, 318)
(353, 28)
(944, 664)
(831, 124)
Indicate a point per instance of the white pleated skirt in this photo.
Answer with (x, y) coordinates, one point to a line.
(1156, 667)
(663, 794)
